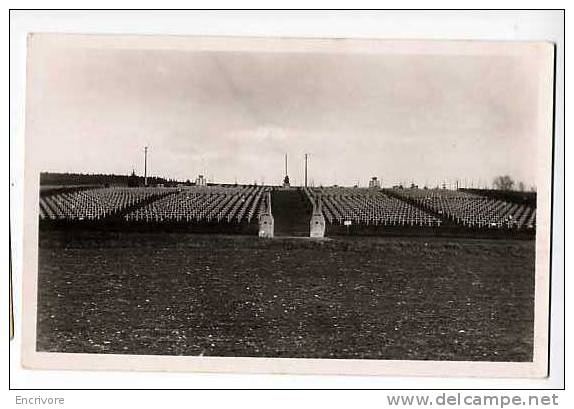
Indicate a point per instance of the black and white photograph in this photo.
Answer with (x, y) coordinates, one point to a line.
(289, 205)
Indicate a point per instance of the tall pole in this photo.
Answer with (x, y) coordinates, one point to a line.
(285, 164)
(145, 166)
(306, 155)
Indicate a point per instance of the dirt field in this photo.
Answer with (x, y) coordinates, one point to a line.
(379, 298)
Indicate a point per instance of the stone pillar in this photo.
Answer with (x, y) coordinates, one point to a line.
(266, 223)
(317, 223)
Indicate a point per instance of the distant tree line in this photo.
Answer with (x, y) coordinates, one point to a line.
(78, 179)
(505, 188)
(505, 182)
(512, 196)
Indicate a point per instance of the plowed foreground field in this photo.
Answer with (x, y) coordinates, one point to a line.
(369, 298)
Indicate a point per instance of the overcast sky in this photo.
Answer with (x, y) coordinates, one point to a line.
(233, 115)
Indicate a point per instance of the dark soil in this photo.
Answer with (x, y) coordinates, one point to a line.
(363, 297)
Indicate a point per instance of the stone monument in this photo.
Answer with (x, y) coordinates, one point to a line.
(266, 223)
(317, 223)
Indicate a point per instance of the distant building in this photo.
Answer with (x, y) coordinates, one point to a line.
(375, 183)
(200, 181)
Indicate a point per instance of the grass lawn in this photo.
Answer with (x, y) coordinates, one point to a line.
(368, 298)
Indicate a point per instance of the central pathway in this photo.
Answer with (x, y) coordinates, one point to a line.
(291, 212)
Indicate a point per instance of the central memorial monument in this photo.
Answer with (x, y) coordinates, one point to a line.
(286, 178)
